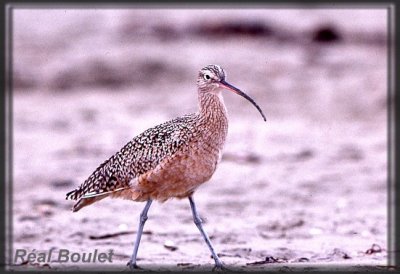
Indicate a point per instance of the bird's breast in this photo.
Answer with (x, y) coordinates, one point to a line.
(194, 164)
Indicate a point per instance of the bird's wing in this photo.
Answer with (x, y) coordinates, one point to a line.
(137, 157)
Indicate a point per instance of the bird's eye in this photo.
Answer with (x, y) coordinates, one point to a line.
(207, 77)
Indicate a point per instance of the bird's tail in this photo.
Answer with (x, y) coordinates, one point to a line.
(73, 195)
(89, 198)
(85, 202)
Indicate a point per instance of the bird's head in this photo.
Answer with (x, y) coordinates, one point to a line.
(211, 79)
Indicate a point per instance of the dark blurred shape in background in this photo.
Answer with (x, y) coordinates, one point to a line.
(233, 28)
(326, 34)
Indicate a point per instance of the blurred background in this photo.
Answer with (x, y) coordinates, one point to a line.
(306, 187)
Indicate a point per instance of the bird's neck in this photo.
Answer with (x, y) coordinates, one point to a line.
(213, 120)
(211, 106)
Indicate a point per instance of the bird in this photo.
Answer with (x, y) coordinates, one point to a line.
(170, 160)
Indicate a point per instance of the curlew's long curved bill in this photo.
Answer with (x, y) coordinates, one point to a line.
(241, 93)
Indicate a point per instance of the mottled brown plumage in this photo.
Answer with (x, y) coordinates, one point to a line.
(169, 160)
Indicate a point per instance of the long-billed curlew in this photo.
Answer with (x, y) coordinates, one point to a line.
(169, 160)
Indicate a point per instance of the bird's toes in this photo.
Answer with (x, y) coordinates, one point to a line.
(220, 267)
(133, 266)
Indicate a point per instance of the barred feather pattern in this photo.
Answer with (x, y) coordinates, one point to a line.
(137, 157)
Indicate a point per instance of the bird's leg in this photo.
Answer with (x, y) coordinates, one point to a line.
(198, 221)
(143, 218)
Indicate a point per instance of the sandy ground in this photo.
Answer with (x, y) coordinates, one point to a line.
(306, 190)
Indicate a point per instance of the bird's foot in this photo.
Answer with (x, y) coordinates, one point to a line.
(133, 266)
(220, 267)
